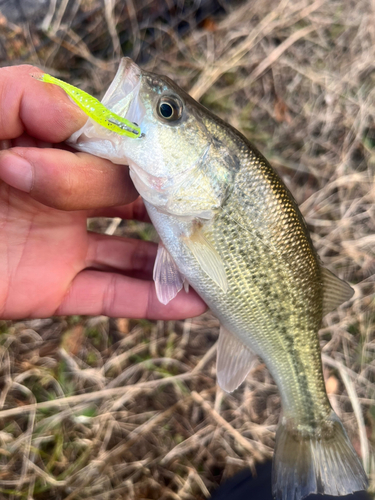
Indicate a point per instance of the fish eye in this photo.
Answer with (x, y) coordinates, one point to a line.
(169, 108)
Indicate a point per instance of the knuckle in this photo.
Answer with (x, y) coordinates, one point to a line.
(109, 296)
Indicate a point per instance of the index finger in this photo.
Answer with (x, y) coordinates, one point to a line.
(43, 111)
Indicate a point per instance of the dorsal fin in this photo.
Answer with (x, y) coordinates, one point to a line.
(336, 291)
(234, 361)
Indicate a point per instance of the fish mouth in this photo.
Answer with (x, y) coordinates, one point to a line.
(123, 99)
(122, 96)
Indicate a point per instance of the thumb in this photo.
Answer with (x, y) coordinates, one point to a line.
(44, 111)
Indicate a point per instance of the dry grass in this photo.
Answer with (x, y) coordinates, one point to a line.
(102, 408)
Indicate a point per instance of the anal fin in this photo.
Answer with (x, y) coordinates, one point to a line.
(168, 279)
(234, 361)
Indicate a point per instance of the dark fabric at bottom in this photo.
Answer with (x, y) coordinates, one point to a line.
(243, 486)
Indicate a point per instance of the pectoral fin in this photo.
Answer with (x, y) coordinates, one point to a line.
(234, 361)
(168, 279)
(336, 291)
(208, 258)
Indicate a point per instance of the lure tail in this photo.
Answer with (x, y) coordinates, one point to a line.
(324, 463)
(94, 108)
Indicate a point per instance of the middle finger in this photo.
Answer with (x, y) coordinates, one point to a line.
(133, 257)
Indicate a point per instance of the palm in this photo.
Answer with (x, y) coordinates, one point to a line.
(49, 263)
(44, 259)
(43, 250)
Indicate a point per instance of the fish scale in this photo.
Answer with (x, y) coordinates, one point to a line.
(252, 266)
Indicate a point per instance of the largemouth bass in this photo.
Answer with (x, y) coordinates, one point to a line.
(231, 229)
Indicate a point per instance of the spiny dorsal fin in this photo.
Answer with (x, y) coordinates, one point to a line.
(168, 279)
(208, 258)
(234, 361)
(336, 291)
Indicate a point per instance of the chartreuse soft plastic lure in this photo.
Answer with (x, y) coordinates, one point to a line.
(94, 108)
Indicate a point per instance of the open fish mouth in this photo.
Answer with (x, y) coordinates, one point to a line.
(123, 99)
(122, 96)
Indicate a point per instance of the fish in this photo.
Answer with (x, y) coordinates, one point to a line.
(230, 228)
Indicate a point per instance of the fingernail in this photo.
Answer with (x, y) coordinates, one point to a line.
(16, 171)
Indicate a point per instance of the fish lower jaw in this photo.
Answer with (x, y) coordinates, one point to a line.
(148, 186)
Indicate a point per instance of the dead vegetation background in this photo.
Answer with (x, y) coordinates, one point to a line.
(92, 407)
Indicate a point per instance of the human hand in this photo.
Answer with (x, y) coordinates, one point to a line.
(49, 263)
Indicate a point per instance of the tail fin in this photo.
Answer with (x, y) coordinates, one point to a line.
(324, 463)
